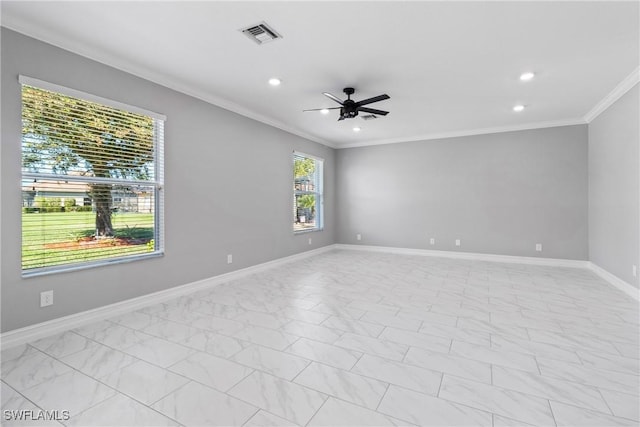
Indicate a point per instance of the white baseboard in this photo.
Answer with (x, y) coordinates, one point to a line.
(40, 330)
(614, 280)
(470, 256)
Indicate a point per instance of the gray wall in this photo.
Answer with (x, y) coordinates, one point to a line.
(499, 193)
(614, 188)
(228, 189)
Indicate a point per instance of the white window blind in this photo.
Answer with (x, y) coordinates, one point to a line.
(92, 177)
(307, 192)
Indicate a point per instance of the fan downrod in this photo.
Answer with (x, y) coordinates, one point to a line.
(349, 91)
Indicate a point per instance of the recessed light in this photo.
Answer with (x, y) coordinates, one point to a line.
(324, 111)
(527, 76)
(274, 81)
(356, 129)
(518, 108)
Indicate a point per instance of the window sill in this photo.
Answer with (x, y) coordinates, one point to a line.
(311, 230)
(45, 271)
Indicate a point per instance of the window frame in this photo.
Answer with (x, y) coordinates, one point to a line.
(318, 192)
(157, 183)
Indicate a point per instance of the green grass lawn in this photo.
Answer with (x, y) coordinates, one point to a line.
(50, 239)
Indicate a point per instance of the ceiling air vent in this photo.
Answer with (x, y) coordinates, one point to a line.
(369, 117)
(261, 33)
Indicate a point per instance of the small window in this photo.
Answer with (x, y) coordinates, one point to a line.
(92, 176)
(307, 193)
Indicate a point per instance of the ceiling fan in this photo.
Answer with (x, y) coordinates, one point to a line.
(350, 108)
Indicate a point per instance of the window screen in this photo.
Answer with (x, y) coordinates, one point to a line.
(307, 192)
(92, 176)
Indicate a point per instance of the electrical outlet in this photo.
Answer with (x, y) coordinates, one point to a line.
(635, 271)
(432, 241)
(457, 242)
(309, 240)
(538, 247)
(46, 298)
(358, 236)
(229, 259)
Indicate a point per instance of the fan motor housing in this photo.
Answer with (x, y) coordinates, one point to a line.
(349, 110)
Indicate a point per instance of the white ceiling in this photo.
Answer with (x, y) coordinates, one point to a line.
(451, 68)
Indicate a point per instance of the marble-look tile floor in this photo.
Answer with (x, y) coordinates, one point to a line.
(350, 338)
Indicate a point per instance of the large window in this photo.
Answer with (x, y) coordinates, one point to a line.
(92, 176)
(307, 192)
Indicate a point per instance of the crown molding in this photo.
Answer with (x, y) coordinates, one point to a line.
(623, 87)
(113, 61)
(469, 132)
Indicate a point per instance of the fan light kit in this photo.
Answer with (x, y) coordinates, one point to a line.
(349, 108)
(275, 81)
(527, 76)
(518, 108)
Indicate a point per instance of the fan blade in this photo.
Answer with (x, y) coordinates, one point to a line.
(320, 109)
(341, 118)
(373, 111)
(328, 95)
(374, 99)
